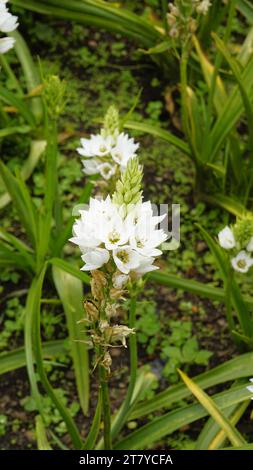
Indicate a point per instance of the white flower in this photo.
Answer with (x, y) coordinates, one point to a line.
(107, 153)
(114, 233)
(124, 149)
(95, 259)
(6, 44)
(226, 238)
(146, 266)
(119, 280)
(91, 167)
(126, 259)
(250, 245)
(103, 232)
(204, 6)
(96, 146)
(146, 238)
(106, 170)
(8, 22)
(250, 387)
(242, 262)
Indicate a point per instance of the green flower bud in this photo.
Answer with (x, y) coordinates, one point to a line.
(128, 188)
(243, 230)
(55, 95)
(111, 122)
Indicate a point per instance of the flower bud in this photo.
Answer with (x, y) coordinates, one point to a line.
(98, 284)
(54, 95)
(107, 361)
(91, 311)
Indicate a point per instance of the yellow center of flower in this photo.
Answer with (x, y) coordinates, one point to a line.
(123, 256)
(114, 237)
(241, 263)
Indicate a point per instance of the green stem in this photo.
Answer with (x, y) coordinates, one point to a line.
(229, 315)
(106, 407)
(121, 416)
(217, 65)
(183, 81)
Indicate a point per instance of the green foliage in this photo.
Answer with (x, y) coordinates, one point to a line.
(3, 424)
(213, 131)
(181, 349)
(52, 416)
(173, 340)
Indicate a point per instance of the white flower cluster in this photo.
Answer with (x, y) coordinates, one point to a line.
(242, 261)
(202, 6)
(105, 233)
(250, 387)
(182, 16)
(107, 153)
(8, 23)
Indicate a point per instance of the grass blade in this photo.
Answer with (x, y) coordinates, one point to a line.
(71, 269)
(233, 369)
(16, 359)
(41, 436)
(70, 291)
(232, 433)
(158, 132)
(160, 427)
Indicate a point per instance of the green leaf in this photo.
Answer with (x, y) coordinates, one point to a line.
(17, 244)
(242, 311)
(246, 8)
(220, 95)
(161, 426)
(33, 348)
(42, 441)
(16, 359)
(225, 202)
(30, 72)
(11, 99)
(236, 368)
(99, 14)
(232, 111)
(36, 150)
(6, 131)
(71, 269)
(161, 133)
(161, 47)
(211, 407)
(70, 291)
(66, 233)
(198, 288)
(22, 201)
(95, 427)
(211, 436)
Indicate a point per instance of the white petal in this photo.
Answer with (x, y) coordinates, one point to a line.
(242, 262)
(6, 44)
(95, 259)
(226, 238)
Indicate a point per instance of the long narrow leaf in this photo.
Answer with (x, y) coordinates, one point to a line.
(236, 368)
(71, 269)
(160, 427)
(70, 291)
(158, 132)
(211, 407)
(16, 359)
